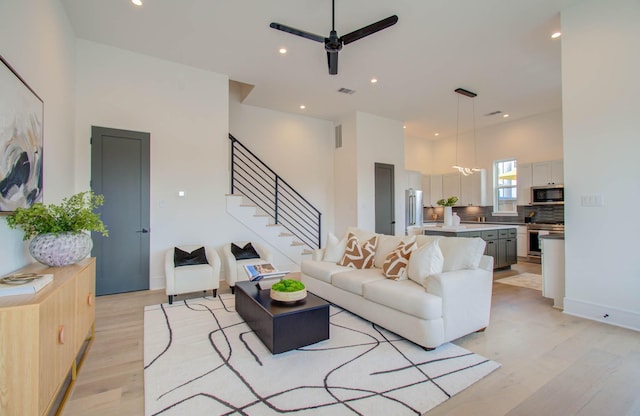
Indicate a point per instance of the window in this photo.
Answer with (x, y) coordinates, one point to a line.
(505, 187)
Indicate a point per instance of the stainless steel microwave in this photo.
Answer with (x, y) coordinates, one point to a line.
(547, 195)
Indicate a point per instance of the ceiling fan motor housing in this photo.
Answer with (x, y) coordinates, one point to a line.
(333, 43)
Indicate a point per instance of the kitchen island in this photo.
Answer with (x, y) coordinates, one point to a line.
(502, 242)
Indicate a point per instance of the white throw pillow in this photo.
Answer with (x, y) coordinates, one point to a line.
(424, 262)
(335, 249)
(462, 253)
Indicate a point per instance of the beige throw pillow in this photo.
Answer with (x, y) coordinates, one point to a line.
(395, 266)
(424, 262)
(359, 256)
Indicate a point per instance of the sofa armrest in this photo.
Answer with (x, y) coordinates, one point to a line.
(466, 298)
(486, 263)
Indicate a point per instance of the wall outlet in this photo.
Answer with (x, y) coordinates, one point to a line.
(595, 200)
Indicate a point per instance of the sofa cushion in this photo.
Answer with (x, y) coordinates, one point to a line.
(386, 244)
(334, 250)
(395, 266)
(322, 270)
(359, 255)
(426, 239)
(353, 281)
(360, 233)
(405, 296)
(461, 253)
(425, 261)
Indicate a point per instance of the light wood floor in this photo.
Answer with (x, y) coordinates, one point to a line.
(552, 363)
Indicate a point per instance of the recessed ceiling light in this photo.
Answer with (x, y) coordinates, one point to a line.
(374, 80)
(137, 2)
(404, 127)
(556, 35)
(302, 107)
(505, 115)
(282, 50)
(437, 134)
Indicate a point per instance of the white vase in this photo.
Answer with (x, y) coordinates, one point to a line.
(448, 216)
(61, 249)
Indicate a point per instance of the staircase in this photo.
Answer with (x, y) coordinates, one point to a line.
(262, 225)
(266, 204)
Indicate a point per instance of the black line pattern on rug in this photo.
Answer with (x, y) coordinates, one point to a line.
(166, 348)
(331, 390)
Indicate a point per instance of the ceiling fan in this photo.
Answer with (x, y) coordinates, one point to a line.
(333, 43)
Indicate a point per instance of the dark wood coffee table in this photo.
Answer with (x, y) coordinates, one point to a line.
(282, 327)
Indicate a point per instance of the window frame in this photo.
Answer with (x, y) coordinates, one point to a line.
(497, 187)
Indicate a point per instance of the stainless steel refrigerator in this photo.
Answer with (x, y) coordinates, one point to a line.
(413, 209)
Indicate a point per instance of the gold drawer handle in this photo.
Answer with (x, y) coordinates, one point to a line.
(90, 299)
(61, 334)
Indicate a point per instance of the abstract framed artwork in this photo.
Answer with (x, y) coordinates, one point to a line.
(21, 141)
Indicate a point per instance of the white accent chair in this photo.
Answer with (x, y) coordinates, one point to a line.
(192, 278)
(235, 268)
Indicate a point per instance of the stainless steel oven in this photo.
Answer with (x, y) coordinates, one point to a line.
(534, 230)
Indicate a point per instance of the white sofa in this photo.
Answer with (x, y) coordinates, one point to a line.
(427, 308)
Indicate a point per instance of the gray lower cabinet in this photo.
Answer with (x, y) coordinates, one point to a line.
(502, 244)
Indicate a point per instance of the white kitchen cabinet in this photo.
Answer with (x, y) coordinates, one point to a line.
(451, 186)
(547, 173)
(522, 239)
(524, 184)
(436, 189)
(473, 189)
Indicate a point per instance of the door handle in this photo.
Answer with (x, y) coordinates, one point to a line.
(143, 231)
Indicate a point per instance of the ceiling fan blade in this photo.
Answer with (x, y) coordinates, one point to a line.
(369, 30)
(297, 32)
(332, 61)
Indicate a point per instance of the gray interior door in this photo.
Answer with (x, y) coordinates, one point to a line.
(384, 195)
(120, 172)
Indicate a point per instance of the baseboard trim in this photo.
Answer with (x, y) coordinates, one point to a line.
(602, 313)
(157, 282)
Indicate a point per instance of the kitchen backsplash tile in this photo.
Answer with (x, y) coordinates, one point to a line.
(548, 214)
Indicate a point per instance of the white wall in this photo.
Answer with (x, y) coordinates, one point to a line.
(345, 172)
(186, 111)
(37, 40)
(531, 139)
(380, 140)
(600, 88)
(298, 148)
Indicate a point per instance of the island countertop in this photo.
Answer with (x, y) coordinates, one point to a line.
(465, 227)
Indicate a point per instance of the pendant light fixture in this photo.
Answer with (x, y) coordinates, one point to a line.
(466, 171)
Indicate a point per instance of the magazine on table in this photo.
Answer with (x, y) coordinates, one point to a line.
(24, 283)
(259, 271)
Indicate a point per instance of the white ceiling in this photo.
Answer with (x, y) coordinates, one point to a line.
(500, 49)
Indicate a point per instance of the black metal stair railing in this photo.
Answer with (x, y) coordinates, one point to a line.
(251, 177)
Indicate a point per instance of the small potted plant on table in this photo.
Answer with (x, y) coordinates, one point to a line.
(59, 231)
(288, 290)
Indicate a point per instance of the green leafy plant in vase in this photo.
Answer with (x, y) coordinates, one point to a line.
(59, 232)
(448, 211)
(288, 290)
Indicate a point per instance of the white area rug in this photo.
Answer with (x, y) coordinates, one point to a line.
(529, 280)
(202, 359)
